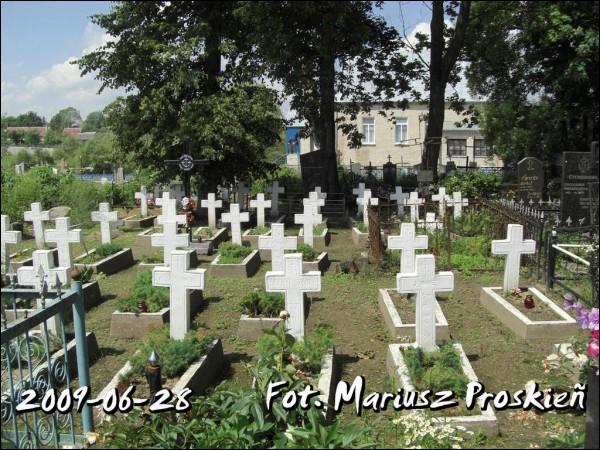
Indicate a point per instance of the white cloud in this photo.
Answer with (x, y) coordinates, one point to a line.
(59, 85)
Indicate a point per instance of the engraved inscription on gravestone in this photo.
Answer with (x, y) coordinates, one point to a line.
(579, 170)
(531, 179)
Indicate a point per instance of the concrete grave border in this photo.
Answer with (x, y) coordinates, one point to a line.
(247, 268)
(486, 421)
(520, 324)
(138, 222)
(111, 264)
(321, 240)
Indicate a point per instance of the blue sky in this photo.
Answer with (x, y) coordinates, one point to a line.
(40, 38)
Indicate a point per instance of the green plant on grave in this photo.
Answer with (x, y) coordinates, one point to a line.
(259, 230)
(110, 248)
(230, 253)
(572, 439)
(277, 348)
(206, 232)
(438, 370)
(175, 355)
(473, 223)
(156, 298)
(261, 303)
(362, 227)
(152, 259)
(319, 229)
(308, 253)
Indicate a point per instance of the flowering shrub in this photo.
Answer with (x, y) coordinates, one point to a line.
(188, 205)
(588, 320)
(416, 430)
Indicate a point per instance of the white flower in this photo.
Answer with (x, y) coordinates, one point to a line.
(580, 360)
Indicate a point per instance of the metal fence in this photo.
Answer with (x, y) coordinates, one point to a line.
(39, 358)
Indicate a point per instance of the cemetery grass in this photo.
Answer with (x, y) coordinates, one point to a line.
(348, 303)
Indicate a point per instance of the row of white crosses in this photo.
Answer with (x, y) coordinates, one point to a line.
(417, 276)
(170, 238)
(456, 201)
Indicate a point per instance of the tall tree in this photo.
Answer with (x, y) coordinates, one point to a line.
(537, 62)
(65, 118)
(94, 121)
(186, 92)
(323, 51)
(445, 46)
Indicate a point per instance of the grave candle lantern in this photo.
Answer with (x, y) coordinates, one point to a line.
(528, 302)
(153, 375)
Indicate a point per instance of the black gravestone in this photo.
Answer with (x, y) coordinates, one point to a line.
(531, 180)
(579, 169)
(389, 173)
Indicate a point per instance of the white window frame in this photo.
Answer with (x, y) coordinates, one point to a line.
(396, 125)
(365, 135)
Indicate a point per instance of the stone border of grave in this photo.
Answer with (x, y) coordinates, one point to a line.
(361, 240)
(207, 246)
(247, 268)
(399, 330)
(198, 377)
(111, 264)
(130, 325)
(486, 421)
(321, 240)
(144, 239)
(29, 261)
(252, 328)
(520, 324)
(138, 222)
(252, 239)
(327, 382)
(321, 263)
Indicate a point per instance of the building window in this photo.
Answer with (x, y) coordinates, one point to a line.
(480, 148)
(368, 130)
(457, 147)
(401, 130)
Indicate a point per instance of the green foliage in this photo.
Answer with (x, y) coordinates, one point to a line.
(308, 253)
(315, 346)
(362, 227)
(156, 298)
(95, 121)
(65, 118)
(439, 370)
(574, 439)
(474, 223)
(175, 355)
(319, 229)
(104, 250)
(230, 253)
(259, 230)
(472, 183)
(28, 119)
(261, 303)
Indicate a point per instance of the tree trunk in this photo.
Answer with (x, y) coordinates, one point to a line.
(442, 62)
(327, 107)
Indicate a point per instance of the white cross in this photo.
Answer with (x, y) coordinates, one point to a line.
(294, 284)
(260, 204)
(235, 218)
(320, 194)
(37, 217)
(314, 200)
(441, 197)
(275, 190)
(400, 198)
(457, 202)
(425, 283)
(365, 201)
(105, 216)
(42, 270)
(166, 195)
(212, 204)
(180, 280)
(242, 195)
(142, 196)
(308, 220)
(8, 237)
(278, 243)
(407, 243)
(414, 202)
(169, 239)
(63, 237)
(513, 247)
(430, 223)
(359, 190)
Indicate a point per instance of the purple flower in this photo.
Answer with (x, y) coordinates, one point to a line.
(583, 318)
(593, 319)
(569, 301)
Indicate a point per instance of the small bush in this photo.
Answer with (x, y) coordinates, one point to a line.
(259, 230)
(175, 356)
(262, 303)
(231, 253)
(108, 249)
(308, 253)
(318, 229)
(472, 183)
(156, 298)
(360, 226)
